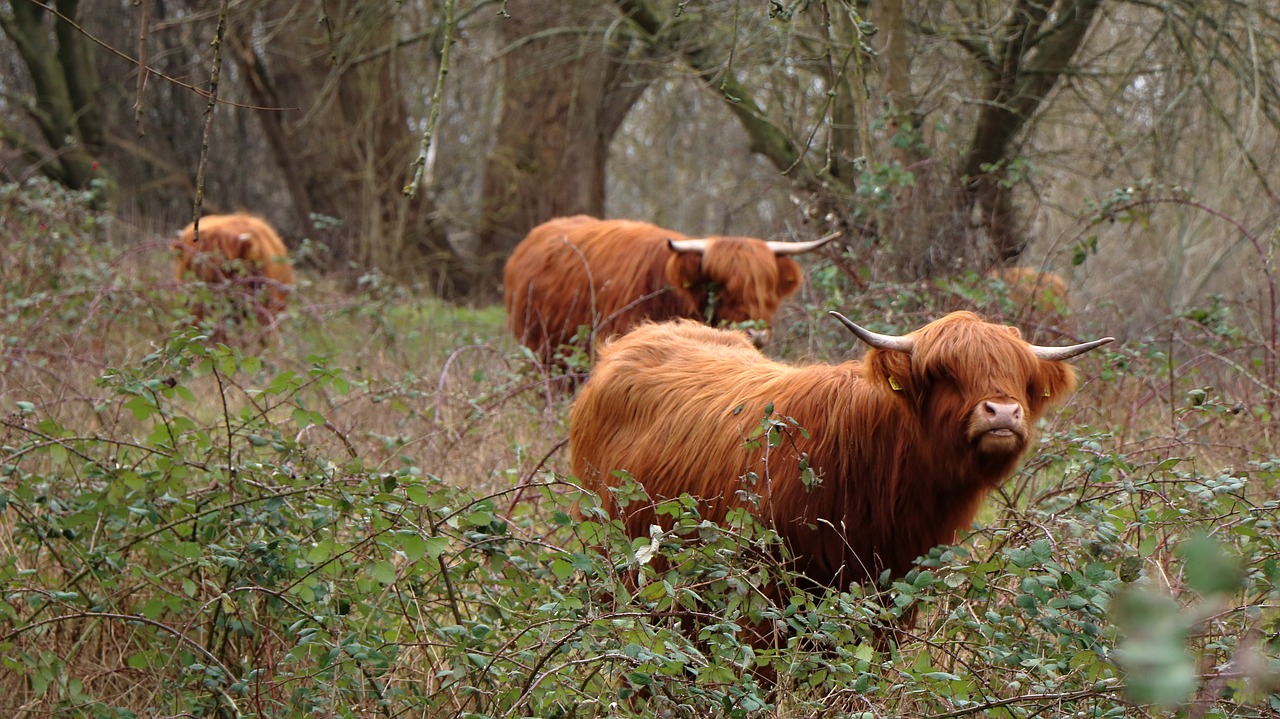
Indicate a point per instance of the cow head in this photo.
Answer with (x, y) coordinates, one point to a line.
(207, 256)
(976, 386)
(738, 279)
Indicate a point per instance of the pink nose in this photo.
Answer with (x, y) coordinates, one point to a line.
(1002, 412)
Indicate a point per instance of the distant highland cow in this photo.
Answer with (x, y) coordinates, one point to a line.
(239, 254)
(609, 275)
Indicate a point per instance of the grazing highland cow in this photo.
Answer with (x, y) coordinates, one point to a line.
(609, 275)
(904, 443)
(243, 254)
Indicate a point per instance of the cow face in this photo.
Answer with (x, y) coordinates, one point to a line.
(736, 279)
(212, 256)
(975, 386)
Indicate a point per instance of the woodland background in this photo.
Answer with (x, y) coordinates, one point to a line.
(942, 137)
(367, 513)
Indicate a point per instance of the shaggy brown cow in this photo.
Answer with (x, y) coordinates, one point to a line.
(609, 275)
(905, 443)
(242, 252)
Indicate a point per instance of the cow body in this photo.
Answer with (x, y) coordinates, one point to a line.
(609, 275)
(905, 444)
(239, 253)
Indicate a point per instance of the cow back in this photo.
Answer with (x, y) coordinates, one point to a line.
(581, 272)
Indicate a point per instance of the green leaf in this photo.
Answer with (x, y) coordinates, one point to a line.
(187, 550)
(301, 418)
(478, 519)
(152, 608)
(416, 493)
(321, 552)
(433, 547)
(653, 591)
(412, 544)
(140, 406)
(562, 568)
(383, 572)
(141, 660)
(283, 382)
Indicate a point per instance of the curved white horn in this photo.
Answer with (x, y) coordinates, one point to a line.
(795, 248)
(879, 341)
(1066, 353)
(699, 246)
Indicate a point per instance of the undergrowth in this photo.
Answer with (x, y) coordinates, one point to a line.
(370, 516)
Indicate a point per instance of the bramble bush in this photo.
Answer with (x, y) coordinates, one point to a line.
(386, 529)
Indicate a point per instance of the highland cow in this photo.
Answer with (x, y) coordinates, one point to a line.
(903, 444)
(575, 279)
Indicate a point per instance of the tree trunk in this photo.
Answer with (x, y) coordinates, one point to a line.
(564, 98)
(1028, 66)
(65, 82)
(338, 127)
(922, 221)
(1023, 67)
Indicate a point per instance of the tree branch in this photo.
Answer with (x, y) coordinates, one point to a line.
(766, 138)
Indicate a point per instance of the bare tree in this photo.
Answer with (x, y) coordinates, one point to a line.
(948, 135)
(334, 112)
(568, 83)
(1021, 58)
(64, 104)
(1034, 48)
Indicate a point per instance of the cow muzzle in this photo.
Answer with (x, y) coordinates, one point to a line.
(998, 427)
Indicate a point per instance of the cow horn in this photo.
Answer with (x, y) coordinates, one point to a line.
(1066, 353)
(699, 246)
(795, 248)
(879, 341)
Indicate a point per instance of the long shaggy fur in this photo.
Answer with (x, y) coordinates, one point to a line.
(901, 470)
(242, 251)
(610, 275)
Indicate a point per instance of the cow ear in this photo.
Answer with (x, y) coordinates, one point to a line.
(185, 237)
(1055, 381)
(890, 369)
(790, 276)
(684, 270)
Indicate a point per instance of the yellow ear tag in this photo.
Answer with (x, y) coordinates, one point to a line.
(1047, 393)
(893, 384)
